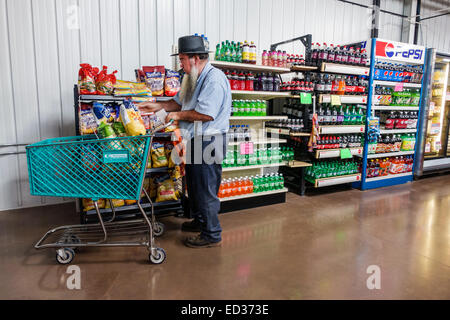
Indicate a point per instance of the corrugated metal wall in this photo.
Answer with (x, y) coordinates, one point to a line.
(435, 33)
(42, 42)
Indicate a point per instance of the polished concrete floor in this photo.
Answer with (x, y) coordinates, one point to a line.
(313, 247)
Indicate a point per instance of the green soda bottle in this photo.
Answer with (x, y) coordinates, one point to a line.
(253, 110)
(217, 55)
(222, 52)
(228, 51)
(238, 52)
(233, 51)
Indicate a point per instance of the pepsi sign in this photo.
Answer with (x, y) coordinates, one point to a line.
(391, 50)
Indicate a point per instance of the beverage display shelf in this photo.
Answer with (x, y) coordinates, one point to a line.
(395, 108)
(265, 95)
(287, 132)
(394, 83)
(258, 118)
(346, 99)
(249, 67)
(262, 141)
(389, 176)
(330, 67)
(330, 181)
(341, 129)
(303, 68)
(384, 131)
(334, 153)
(136, 207)
(389, 154)
(257, 166)
(298, 164)
(252, 195)
(94, 97)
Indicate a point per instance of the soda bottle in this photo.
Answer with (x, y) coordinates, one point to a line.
(344, 55)
(357, 58)
(314, 53)
(245, 52)
(265, 58)
(252, 53)
(331, 54)
(338, 55)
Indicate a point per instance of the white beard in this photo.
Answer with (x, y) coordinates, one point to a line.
(188, 85)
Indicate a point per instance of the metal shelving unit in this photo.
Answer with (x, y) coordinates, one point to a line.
(125, 212)
(334, 153)
(331, 181)
(341, 129)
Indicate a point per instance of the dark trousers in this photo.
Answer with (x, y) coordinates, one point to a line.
(203, 182)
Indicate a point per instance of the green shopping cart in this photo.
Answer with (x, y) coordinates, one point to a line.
(89, 167)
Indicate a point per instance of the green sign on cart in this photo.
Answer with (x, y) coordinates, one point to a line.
(346, 153)
(305, 98)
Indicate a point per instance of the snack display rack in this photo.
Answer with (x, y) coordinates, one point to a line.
(127, 211)
(390, 52)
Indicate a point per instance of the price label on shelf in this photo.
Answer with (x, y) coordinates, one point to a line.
(346, 153)
(246, 148)
(305, 98)
(335, 100)
(398, 87)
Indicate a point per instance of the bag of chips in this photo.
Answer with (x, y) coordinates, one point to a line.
(154, 78)
(171, 83)
(105, 82)
(166, 189)
(116, 203)
(88, 204)
(159, 158)
(86, 79)
(130, 202)
(131, 119)
(87, 121)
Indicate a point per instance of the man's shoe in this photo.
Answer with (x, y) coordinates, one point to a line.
(191, 226)
(200, 242)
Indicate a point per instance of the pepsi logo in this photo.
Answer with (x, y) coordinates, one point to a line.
(389, 50)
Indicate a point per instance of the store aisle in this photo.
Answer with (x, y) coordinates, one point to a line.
(314, 247)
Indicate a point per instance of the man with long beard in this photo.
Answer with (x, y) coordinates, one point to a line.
(202, 107)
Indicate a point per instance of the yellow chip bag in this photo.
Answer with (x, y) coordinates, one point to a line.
(116, 203)
(130, 202)
(88, 204)
(166, 189)
(159, 158)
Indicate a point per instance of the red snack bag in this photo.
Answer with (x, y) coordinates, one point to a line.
(86, 79)
(171, 83)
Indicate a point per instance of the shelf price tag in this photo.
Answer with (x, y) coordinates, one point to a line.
(398, 87)
(305, 98)
(246, 148)
(335, 100)
(346, 153)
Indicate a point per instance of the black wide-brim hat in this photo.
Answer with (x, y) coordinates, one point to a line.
(191, 45)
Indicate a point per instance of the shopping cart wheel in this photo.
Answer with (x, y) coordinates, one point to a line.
(158, 229)
(65, 255)
(159, 257)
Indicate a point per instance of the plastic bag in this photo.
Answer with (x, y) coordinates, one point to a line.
(154, 78)
(166, 189)
(86, 79)
(159, 158)
(105, 82)
(87, 121)
(102, 114)
(171, 83)
(116, 203)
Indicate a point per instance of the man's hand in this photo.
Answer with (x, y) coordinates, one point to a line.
(149, 106)
(173, 116)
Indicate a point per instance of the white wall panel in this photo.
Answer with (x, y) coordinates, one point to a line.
(90, 39)
(197, 17)
(44, 41)
(148, 32)
(10, 188)
(129, 32)
(111, 30)
(212, 22)
(164, 35)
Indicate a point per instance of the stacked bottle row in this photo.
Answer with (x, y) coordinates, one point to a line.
(253, 184)
(398, 119)
(338, 54)
(387, 166)
(236, 52)
(340, 115)
(239, 133)
(327, 169)
(243, 80)
(340, 141)
(293, 125)
(328, 84)
(251, 108)
(262, 155)
(392, 143)
(387, 96)
(281, 59)
(398, 72)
